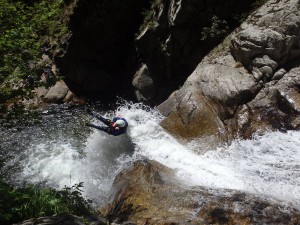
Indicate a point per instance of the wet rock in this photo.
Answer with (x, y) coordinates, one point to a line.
(210, 95)
(101, 221)
(264, 61)
(276, 107)
(191, 115)
(237, 82)
(178, 35)
(267, 70)
(63, 219)
(258, 75)
(147, 193)
(143, 83)
(57, 93)
(71, 98)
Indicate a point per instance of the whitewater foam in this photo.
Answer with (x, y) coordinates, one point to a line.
(267, 165)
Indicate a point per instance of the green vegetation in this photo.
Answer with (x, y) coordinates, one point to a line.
(18, 115)
(30, 202)
(26, 27)
(218, 29)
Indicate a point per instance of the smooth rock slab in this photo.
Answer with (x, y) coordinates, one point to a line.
(147, 193)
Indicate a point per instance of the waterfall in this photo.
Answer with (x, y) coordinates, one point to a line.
(267, 165)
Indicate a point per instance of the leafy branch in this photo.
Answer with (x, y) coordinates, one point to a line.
(32, 201)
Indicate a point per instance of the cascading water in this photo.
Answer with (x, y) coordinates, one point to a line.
(64, 152)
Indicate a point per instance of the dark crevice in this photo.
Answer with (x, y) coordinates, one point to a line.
(100, 57)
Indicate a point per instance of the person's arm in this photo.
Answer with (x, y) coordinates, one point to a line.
(105, 129)
(99, 117)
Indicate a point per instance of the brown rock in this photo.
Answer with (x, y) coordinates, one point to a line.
(73, 99)
(225, 100)
(147, 193)
(65, 219)
(57, 93)
(191, 115)
(41, 91)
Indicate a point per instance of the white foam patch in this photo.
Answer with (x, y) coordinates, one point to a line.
(50, 161)
(60, 164)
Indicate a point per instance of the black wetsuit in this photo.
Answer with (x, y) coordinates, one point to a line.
(109, 128)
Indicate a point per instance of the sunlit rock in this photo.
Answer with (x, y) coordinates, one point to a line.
(57, 93)
(147, 193)
(249, 82)
(179, 34)
(273, 31)
(190, 115)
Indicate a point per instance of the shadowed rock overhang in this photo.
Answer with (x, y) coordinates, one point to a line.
(98, 58)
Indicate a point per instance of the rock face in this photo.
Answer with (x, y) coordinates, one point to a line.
(147, 194)
(117, 46)
(59, 93)
(177, 36)
(269, 39)
(247, 84)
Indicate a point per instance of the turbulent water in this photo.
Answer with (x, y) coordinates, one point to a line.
(62, 151)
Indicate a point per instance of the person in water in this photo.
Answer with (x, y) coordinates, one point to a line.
(116, 126)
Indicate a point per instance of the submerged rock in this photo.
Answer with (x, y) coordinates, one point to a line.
(147, 193)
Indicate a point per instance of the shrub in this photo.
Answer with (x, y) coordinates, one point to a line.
(217, 30)
(32, 201)
(24, 27)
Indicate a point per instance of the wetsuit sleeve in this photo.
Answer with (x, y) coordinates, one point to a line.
(105, 129)
(101, 118)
